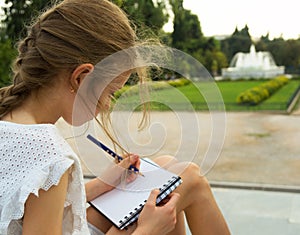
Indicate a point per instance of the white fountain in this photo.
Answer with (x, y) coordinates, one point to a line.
(252, 65)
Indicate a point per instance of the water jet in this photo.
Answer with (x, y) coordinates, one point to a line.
(254, 64)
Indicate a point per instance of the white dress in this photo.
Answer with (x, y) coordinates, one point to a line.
(34, 157)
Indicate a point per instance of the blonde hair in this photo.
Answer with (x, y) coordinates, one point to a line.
(70, 33)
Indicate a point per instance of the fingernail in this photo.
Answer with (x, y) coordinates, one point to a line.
(135, 157)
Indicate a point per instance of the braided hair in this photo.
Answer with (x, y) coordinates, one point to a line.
(70, 33)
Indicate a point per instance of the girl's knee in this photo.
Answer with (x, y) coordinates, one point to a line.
(190, 172)
(193, 178)
(165, 161)
(192, 169)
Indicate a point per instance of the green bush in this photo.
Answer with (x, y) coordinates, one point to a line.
(7, 53)
(255, 95)
(157, 85)
(179, 82)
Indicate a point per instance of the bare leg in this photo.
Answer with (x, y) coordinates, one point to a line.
(180, 225)
(98, 220)
(197, 201)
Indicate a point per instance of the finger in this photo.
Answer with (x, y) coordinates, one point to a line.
(125, 163)
(163, 202)
(131, 159)
(130, 178)
(173, 199)
(135, 160)
(152, 197)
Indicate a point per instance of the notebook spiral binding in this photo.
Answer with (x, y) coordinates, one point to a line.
(164, 192)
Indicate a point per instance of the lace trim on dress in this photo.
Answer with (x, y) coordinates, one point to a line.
(76, 198)
(35, 157)
(13, 209)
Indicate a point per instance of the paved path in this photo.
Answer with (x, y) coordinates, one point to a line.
(250, 212)
(258, 147)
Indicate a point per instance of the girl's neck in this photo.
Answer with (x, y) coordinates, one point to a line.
(36, 109)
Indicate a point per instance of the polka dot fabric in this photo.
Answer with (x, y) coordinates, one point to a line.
(34, 157)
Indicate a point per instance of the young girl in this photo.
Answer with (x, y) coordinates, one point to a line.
(41, 182)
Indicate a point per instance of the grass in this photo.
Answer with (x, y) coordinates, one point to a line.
(193, 96)
(284, 93)
(231, 89)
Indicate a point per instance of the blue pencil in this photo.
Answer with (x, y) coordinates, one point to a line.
(111, 153)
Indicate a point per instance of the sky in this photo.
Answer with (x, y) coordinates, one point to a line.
(221, 17)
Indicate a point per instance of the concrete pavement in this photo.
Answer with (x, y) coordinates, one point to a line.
(259, 148)
(250, 212)
(255, 212)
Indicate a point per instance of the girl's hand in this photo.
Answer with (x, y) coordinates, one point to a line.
(112, 176)
(130, 160)
(157, 219)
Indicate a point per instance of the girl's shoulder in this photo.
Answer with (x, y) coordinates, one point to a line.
(29, 149)
(33, 139)
(34, 157)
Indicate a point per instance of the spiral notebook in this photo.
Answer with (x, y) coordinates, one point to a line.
(123, 204)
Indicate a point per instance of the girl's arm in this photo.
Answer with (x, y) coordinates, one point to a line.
(96, 187)
(44, 214)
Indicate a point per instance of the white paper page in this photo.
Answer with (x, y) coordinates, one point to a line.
(119, 202)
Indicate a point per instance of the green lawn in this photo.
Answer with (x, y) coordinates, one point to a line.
(215, 93)
(231, 89)
(284, 93)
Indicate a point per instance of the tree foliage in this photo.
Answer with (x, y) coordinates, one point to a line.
(188, 37)
(187, 34)
(150, 16)
(6, 56)
(144, 13)
(285, 52)
(19, 13)
(239, 41)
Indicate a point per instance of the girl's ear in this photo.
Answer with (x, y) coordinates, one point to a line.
(79, 74)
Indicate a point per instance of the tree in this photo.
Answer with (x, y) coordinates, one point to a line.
(261, 45)
(187, 34)
(6, 56)
(188, 37)
(145, 13)
(18, 14)
(239, 41)
(286, 53)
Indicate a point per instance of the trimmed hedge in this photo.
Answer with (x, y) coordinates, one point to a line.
(179, 82)
(159, 85)
(255, 95)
